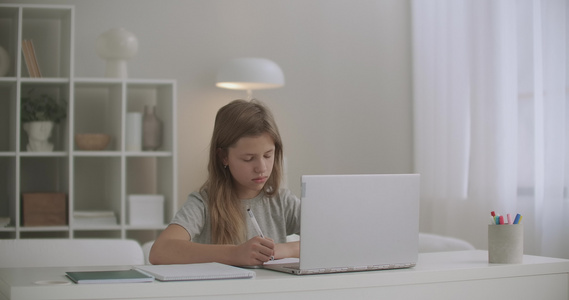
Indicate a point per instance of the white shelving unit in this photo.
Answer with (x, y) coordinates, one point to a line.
(92, 180)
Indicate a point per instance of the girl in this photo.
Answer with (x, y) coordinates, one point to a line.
(245, 165)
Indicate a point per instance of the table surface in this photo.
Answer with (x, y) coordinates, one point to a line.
(25, 283)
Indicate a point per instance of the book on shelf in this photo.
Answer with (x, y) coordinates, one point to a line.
(200, 271)
(113, 276)
(30, 58)
(4, 221)
(94, 218)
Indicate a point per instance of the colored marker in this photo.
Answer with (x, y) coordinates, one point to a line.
(509, 218)
(517, 219)
(493, 213)
(501, 220)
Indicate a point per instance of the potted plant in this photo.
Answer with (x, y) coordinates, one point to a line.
(39, 115)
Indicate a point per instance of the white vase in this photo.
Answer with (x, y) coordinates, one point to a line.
(133, 140)
(116, 45)
(39, 133)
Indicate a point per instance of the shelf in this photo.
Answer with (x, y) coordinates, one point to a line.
(43, 154)
(81, 153)
(97, 228)
(91, 180)
(146, 227)
(149, 154)
(134, 81)
(45, 80)
(44, 228)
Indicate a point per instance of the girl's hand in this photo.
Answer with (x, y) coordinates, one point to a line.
(255, 251)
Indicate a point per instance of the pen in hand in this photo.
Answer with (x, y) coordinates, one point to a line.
(256, 225)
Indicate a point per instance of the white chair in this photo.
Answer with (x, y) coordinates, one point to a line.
(146, 250)
(428, 243)
(437, 243)
(69, 252)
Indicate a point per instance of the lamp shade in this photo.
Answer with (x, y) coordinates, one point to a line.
(250, 74)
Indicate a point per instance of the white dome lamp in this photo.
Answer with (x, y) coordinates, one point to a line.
(116, 45)
(250, 74)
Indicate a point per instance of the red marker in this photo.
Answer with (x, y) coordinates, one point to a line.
(493, 213)
(501, 220)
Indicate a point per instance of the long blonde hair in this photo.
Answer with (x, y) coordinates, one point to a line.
(233, 121)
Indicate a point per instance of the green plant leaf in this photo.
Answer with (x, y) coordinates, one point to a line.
(42, 108)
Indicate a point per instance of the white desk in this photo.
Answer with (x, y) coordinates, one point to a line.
(446, 275)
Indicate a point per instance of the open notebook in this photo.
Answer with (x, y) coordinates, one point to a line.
(356, 223)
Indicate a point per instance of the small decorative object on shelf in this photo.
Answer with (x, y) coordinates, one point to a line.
(44, 209)
(151, 129)
(92, 141)
(146, 209)
(4, 62)
(39, 133)
(133, 131)
(117, 45)
(38, 115)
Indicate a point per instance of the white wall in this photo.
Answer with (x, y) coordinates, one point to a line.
(345, 108)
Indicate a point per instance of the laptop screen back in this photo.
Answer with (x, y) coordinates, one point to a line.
(359, 220)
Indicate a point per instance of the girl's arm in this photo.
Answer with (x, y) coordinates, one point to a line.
(290, 249)
(174, 246)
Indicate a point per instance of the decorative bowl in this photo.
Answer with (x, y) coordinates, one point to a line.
(92, 141)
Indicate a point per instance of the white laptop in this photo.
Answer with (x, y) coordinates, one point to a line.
(356, 223)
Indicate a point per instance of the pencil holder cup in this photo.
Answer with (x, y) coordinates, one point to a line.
(505, 244)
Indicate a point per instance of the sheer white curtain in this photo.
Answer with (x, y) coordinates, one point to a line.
(491, 117)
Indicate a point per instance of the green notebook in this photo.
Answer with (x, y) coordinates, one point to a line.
(114, 276)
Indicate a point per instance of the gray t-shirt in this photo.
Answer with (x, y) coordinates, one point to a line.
(278, 216)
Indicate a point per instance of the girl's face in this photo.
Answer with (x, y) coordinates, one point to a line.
(250, 162)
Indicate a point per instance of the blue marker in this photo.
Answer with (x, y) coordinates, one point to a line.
(517, 219)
